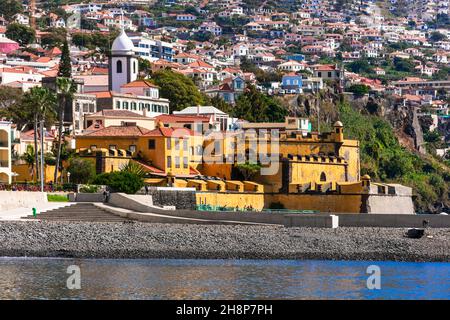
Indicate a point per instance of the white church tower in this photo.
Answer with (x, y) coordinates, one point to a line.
(123, 64)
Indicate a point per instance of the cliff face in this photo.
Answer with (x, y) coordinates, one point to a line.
(367, 120)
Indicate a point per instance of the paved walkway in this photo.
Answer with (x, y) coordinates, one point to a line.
(19, 213)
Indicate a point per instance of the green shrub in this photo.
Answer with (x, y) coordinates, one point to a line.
(120, 181)
(89, 189)
(57, 198)
(81, 170)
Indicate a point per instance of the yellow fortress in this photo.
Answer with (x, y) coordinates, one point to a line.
(298, 169)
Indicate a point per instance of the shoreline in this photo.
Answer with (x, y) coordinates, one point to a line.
(177, 241)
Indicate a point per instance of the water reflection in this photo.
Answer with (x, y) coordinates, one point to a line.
(45, 278)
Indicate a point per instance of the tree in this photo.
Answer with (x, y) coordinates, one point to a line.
(360, 66)
(9, 8)
(38, 106)
(403, 65)
(29, 158)
(55, 38)
(179, 89)
(65, 91)
(358, 89)
(436, 36)
(134, 168)
(65, 66)
(120, 181)
(81, 170)
(248, 169)
(145, 67)
(255, 106)
(10, 98)
(22, 34)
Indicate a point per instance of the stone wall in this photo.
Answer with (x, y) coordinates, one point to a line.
(181, 198)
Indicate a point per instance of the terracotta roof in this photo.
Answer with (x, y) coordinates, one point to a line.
(118, 131)
(167, 118)
(149, 168)
(118, 113)
(169, 132)
(102, 94)
(139, 84)
(200, 64)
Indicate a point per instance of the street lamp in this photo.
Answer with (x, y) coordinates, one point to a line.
(68, 177)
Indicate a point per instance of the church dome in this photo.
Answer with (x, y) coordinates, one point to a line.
(122, 44)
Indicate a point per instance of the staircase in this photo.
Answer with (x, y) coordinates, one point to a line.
(79, 212)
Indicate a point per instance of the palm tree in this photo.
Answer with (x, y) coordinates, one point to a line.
(40, 102)
(65, 90)
(29, 158)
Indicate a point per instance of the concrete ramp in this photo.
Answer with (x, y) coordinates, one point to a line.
(163, 218)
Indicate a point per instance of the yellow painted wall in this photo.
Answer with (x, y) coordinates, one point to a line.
(25, 173)
(232, 200)
(320, 202)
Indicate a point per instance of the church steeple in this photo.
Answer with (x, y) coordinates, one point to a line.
(123, 63)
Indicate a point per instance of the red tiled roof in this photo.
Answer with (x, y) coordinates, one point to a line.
(118, 131)
(139, 84)
(147, 167)
(118, 113)
(169, 132)
(167, 118)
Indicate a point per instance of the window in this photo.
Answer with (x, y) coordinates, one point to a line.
(91, 107)
(125, 105)
(119, 66)
(185, 144)
(151, 144)
(117, 104)
(177, 162)
(177, 144)
(319, 74)
(185, 163)
(323, 177)
(132, 148)
(85, 107)
(169, 143)
(329, 74)
(169, 161)
(77, 107)
(77, 124)
(134, 67)
(133, 106)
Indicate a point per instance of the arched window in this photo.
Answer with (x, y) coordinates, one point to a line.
(119, 66)
(323, 177)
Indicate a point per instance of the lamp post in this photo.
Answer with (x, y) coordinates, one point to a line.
(68, 177)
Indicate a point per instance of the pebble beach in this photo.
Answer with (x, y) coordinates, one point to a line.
(179, 241)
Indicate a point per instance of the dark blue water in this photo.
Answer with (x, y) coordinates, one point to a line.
(46, 278)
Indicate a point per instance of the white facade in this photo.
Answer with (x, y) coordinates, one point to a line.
(123, 66)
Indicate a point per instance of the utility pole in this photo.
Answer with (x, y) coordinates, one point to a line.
(42, 154)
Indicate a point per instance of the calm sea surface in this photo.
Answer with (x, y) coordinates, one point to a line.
(46, 278)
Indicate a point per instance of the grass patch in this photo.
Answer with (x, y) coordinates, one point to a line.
(57, 198)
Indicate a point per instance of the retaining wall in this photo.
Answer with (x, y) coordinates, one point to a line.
(85, 197)
(21, 199)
